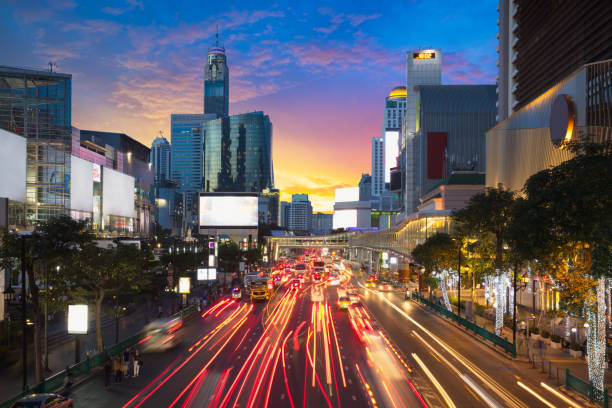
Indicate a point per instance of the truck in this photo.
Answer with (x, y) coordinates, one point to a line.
(261, 289)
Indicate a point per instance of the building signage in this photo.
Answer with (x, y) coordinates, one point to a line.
(424, 55)
(96, 173)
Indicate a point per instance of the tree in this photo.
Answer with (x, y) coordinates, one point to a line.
(568, 213)
(229, 253)
(99, 273)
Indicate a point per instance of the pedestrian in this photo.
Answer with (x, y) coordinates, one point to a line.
(137, 363)
(160, 312)
(117, 368)
(125, 363)
(108, 372)
(68, 381)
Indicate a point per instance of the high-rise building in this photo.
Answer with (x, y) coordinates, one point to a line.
(536, 53)
(272, 196)
(285, 207)
(365, 187)
(186, 159)
(37, 105)
(453, 120)
(423, 67)
(395, 110)
(300, 213)
(322, 223)
(216, 82)
(160, 158)
(237, 154)
(378, 166)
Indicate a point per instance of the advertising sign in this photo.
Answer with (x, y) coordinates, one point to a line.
(78, 319)
(207, 274)
(184, 285)
(228, 211)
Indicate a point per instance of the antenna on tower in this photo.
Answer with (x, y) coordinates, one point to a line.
(217, 36)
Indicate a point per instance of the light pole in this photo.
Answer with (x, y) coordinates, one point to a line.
(24, 326)
(459, 282)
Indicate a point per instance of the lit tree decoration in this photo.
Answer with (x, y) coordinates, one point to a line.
(511, 297)
(567, 332)
(442, 277)
(530, 279)
(500, 301)
(596, 336)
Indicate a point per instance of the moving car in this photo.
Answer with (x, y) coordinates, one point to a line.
(162, 335)
(344, 302)
(354, 296)
(236, 293)
(384, 286)
(260, 290)
(316, 277)
(316, 294)
(370, 283)
(296, 284)
(43, 401)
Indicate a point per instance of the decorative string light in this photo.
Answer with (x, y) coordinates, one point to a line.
(596, 336)
(500, 300)
(442, 278)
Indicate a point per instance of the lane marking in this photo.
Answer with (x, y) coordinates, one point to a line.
(559, 395)
(435, 382)
(535, 394)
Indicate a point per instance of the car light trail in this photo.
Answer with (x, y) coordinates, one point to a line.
(559, 395)
(200, 379)
(535, 394)
(435, 382)
(485, 397)
(285, 370)
(389, 394)
(337, 347)
(214, 400)
(145, 339)
(367, 387)
(508, 397)
(225, 307)
(272, 376)
(215, 307)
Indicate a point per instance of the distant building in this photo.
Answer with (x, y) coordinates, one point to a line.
(285, 207)
(237, 154)
(378, 166)
(395, 108)
(365, 187)
(216, 82)
(161, 158)
(322, 224)
(423, 67)
(534, 55)
(169, 207)
(186, 159)
(349, 211)
(300, 213)
(273, 198)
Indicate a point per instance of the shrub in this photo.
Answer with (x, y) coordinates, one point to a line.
(508, 321)
(479, 309)
(555, 338)
(545, 334)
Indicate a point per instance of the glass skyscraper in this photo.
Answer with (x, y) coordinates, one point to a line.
(37, 105)
(237, 153)
(216, 82)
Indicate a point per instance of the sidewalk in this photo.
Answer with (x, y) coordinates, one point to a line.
(62, 352)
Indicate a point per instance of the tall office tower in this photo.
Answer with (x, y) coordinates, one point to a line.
(37, 105)
(365, 187)
(273, 198)
(322, 224)
(378, 166)
(160, 158)
(237, 153)
(186, 159)
(423, 67)
(536, 53)
(216, 82)
(300, 213)
(285, 207)
(395, 109)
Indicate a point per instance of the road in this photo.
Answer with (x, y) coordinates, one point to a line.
(296, 352)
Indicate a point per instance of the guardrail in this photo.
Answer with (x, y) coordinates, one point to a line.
(485, 334)
(56, 381)
(595, 395)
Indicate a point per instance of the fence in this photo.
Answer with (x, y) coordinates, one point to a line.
(587, 389)
(485, 334)
(56, 381)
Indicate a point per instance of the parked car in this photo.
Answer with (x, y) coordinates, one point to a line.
(43, 401)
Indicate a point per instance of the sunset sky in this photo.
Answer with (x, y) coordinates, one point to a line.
(321, 70)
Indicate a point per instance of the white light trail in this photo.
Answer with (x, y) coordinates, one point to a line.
(435, 382)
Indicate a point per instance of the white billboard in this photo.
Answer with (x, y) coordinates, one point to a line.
(228, 211)
(117, 194)
(391, 141)
(347, 194)
(81, 184)
(78, 319)
(12, 166)
(207, 274)
(345, 218)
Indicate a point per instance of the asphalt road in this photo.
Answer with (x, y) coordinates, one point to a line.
(295, 352)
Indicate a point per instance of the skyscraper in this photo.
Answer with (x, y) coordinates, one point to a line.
(378, 166)
(186, 159)
(300, 213)
(395, 109)
(531, 56)
(160, 158)
(423, 67)
(216, 82)
(237, 154)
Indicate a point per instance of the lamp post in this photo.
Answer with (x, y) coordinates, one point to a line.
(24, 326)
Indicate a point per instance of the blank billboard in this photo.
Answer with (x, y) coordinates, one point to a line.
(347, 194)
(228, 211)
(117, 194)
(12, 166)
(391, 141)
(345, 218)
(81, 184)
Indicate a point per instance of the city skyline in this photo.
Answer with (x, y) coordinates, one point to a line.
(315, 70)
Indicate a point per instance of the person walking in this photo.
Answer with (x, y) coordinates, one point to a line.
(108, 372)
(68, 381)
(137, 363)
(125, 363)
(117, 368)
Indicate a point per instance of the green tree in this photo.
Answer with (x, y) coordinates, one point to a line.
(229, 256)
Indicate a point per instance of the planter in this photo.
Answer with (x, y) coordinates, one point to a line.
(576, 353)
(555, 345)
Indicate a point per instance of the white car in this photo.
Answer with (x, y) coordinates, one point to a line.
(316, 294)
